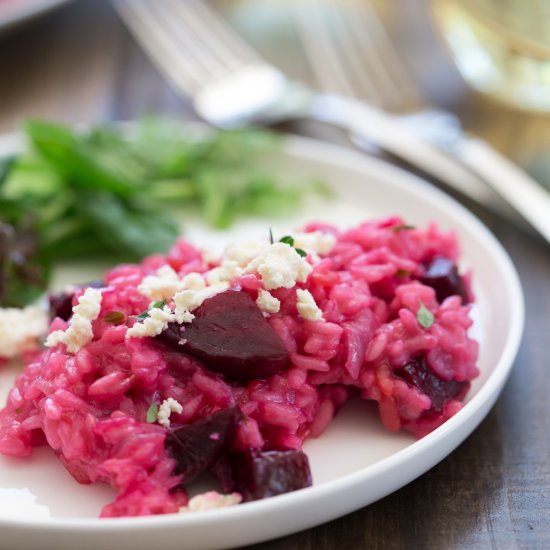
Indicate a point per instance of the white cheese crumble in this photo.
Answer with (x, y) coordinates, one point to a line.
(244, 252)
(316, 242)
(154, 324)
(20, 329)
(167, 407)
(211, 500)
(194, 281)
(306, 306)
(267, 303)
(280, 266)
(161, 286)
(188, 300)
(79, 332)
(210, 256)
(227, 271)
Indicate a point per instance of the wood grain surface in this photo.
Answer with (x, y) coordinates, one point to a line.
(79, 64)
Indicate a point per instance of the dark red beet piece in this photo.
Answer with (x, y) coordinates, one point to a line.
(198, 446)
(442, 275)
(418, 374)
(61, 303)
(230, 336)
(262, 474)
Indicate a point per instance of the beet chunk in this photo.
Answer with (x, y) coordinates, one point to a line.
(61, 305)
(198, 446)
(230, 336)
(262, 474)
(418, 374)
(442, 275)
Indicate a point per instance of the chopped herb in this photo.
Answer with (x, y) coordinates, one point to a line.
(402, 227)
(145, 314)
(287, 239)
(152, 413)
(114, 317)
(402, 273)
(425, 316)
(271, 241)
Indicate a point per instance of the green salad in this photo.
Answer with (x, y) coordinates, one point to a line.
(118, 193)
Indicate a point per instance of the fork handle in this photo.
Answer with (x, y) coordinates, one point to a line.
(528, 197)
(474, 170)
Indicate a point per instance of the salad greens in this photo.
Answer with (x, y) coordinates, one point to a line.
(118, 194)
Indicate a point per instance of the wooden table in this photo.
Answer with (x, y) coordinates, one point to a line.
(80, 65)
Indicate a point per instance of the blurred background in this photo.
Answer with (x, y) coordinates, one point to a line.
(80, 64)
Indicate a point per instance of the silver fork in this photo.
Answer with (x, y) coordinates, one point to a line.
(231, 86)
(351, 53)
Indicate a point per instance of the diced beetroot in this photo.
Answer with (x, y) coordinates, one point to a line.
(198, 446)
(61, 305)
(417, 373)
(230, 336)
(442, 275)
(262, 474)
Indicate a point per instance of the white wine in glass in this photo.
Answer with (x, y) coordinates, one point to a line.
(501, 47)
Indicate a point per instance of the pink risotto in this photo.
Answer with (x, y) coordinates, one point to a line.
(187, 363)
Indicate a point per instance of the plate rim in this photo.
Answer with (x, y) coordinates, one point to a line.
(473, 410)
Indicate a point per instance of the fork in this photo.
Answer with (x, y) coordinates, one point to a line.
(231, 86)
(351, 53)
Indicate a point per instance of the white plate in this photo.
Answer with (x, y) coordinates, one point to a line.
(355, 462)
(13, 12)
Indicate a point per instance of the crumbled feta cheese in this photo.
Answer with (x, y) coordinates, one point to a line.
(167, 407)
(193, 280)
(211, 500)
(89, 304)
(154, 324)
(188, 300)
(306, 306)
(267, 303)
(20, 329)
(227, 271)
(244, 253)
(79, 332)
(210, 256)
(280, 266)
(316, 242)
(161, 286)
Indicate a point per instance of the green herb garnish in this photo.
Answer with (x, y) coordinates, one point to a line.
(145, 314)
(271, 241)
(152, 413)
(425, 317)
(114, 317)
(402, 227)
(121, 195)
(287, 239)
